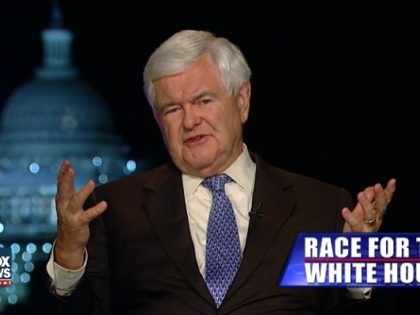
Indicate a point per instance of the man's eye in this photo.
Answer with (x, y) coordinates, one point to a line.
(204, 101)
(170, 110)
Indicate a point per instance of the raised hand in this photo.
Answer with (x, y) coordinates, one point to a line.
(370, 210)
(72, 220)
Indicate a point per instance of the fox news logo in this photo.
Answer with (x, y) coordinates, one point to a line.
(5, 267)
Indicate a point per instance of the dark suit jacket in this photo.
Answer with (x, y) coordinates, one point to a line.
(141, 258)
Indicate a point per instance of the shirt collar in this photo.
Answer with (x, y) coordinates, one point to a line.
(242, 171)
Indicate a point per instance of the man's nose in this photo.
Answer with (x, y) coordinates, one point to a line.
(191, 117)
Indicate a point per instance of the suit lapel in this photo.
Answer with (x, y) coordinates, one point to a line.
(166, 210)
(273, 203)
(165, 207)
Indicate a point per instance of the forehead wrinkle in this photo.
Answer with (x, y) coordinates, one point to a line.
(169, 92)
(180, 92)
(190, 84)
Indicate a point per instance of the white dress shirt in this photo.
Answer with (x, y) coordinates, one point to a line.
(198, 201)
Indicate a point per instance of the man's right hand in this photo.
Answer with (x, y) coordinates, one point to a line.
(72, 220)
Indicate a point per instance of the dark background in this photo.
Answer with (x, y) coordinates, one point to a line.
(335, 87)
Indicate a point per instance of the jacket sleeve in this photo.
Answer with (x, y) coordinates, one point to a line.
(92, 294)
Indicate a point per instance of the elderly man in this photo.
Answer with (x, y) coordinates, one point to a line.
(210, 232)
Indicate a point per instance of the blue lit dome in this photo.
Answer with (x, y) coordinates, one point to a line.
(53, 117)
(44, 106)
(61, 117)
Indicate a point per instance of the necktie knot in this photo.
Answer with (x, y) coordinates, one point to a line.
(216, 182)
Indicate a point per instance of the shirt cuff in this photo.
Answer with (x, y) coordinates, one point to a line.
(63, 280)
(358, 293)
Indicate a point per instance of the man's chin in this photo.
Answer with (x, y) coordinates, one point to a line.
(201, 168)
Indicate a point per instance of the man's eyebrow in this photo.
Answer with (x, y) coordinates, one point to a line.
(165, 105)
(203, 94)
(194, 98)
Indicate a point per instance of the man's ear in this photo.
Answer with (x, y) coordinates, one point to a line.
(243, 100)
(156, 115)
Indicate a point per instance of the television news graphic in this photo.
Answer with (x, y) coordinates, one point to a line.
(5, 266)
(354, 259)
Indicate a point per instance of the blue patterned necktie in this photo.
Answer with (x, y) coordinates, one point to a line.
(223, 250)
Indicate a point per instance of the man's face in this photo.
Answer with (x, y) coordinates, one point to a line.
(200, 123)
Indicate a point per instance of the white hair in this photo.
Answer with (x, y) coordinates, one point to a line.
(182, 49)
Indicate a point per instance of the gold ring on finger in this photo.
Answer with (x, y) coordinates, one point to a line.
(370, 221)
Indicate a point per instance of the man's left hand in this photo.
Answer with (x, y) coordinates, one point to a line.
(370, 210)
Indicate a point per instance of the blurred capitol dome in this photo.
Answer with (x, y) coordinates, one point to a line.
(53, 117)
